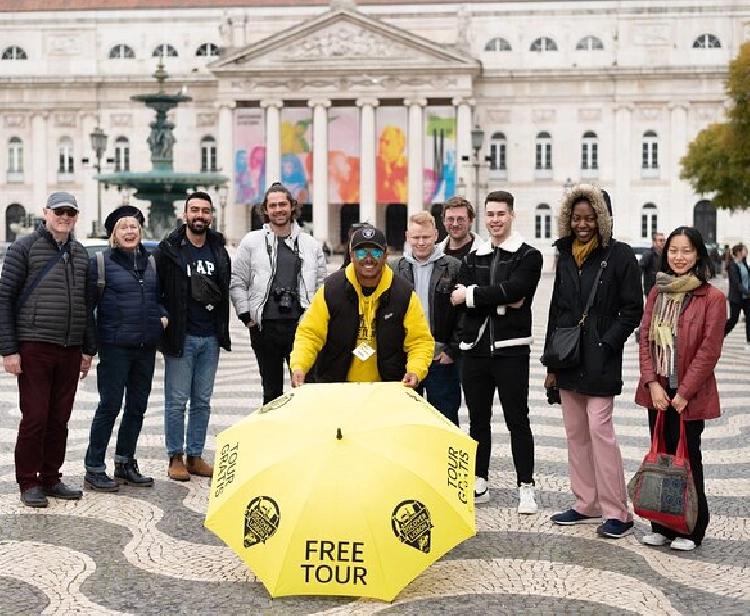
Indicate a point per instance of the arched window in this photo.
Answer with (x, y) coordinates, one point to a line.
(543, 43)
(207, 50)
(650, 154)
(649, 221)
(590, 43)
(498, 152)
(66, 161)
(121, 52)
(589, 154)
(542, 222)
(15, 156)
(497, 44)
(707, 41)
(208, 154)
(165, 50)
(543, 148)
(14, 53)
(122, 154)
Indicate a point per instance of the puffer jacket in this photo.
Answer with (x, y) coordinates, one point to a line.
(617, 307)
(254, 267)
(175, 288)
(700, 336)
(59, 309)
(129, 311)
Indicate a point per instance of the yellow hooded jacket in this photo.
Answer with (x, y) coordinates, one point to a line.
(312, 333)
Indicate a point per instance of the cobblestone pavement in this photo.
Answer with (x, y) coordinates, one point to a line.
(145, 551)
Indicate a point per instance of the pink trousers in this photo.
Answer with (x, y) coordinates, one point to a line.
(596, 473)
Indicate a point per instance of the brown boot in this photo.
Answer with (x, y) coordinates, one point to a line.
(177, 470)
(197, 466)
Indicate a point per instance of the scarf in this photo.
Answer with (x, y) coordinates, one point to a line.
(582, 251)
(663, 328)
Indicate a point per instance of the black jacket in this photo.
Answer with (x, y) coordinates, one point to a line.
(735, 284)
(175, 288)
(442, 313)
(59, 309)
(649, 266)
(501, 276)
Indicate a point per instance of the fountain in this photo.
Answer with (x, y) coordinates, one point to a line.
(161, 186)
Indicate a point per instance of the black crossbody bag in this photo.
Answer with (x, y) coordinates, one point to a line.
(202, 289)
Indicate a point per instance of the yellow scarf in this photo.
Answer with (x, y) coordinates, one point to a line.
(582, 251)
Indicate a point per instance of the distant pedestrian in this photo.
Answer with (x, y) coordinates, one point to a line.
(739, 293)
(650, 262)
(47, 341)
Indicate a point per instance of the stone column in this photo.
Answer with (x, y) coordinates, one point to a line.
(320, 168)
(680, 193)
(625, 166)
(273, 141)
(367, 181)
(39, 170)
(235, 223)
(416, 155)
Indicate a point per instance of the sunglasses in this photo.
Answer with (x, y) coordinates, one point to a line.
(65, 210)
(375, 253)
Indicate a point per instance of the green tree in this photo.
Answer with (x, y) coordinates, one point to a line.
(718, 159)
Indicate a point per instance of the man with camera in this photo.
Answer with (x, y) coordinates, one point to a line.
(276, 272)
(194, 269)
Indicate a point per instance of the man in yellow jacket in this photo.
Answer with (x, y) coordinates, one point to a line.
(364, 323)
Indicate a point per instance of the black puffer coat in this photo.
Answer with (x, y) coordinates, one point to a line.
(617, 307)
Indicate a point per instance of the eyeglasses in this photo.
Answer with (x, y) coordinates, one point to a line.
(65, 210)
(375, 253)
(456, 221)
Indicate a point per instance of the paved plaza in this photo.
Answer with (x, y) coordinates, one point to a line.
(145, 550)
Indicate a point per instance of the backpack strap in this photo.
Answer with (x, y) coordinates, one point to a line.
(101, 268)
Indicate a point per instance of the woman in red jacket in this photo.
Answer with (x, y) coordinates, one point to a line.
(682, 333)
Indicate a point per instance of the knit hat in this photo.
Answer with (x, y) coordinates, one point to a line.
(124, 211)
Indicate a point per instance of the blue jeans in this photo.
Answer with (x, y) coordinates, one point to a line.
(443, 389)
(121, 371)
(190, 377)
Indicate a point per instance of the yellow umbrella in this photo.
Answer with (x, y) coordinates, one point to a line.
(343, 489)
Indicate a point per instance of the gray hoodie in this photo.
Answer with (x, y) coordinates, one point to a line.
(422, 273)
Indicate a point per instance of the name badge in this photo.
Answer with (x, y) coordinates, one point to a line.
(364, 351)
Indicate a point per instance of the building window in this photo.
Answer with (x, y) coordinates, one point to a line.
(208, 50)
(208, 154)
(589, 155)
(122, 154)
(543, 222)
(165, 50)
(649, 221)
(497, 44)
(707, 41)
(498, 155)
(590, 43)
(66, 164)
(121, 52)
(543, 159)
(15, 155)
(650, 155)
(14, 53)
(543, 43)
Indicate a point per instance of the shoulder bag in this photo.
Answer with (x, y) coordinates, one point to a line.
(202, 289)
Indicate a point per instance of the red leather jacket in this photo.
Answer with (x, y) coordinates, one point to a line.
(700, 336)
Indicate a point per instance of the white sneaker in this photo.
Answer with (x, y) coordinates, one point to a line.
(481, 491)
(527, 504)
(682, 544)
(656, 539)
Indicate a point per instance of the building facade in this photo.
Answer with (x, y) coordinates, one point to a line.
(366, 111)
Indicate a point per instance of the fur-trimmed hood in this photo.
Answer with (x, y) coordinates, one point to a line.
(595, 198)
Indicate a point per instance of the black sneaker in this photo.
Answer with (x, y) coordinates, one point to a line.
(60, 490)
(571, 517)
(99, 482)
(614, 529)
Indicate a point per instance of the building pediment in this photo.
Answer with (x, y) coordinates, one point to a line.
(341, 39)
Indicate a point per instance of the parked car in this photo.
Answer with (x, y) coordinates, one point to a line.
(640, 251)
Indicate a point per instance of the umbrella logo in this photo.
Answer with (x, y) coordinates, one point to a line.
(261, 520)
(276, 403)
(411, 524)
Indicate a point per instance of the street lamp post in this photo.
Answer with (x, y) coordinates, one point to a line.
(99, 145)
(477, 140)
(223, 190)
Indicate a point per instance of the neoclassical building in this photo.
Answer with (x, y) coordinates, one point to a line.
(375, 110)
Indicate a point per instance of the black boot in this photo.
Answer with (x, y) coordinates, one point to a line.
(128, 473)
(99, 482)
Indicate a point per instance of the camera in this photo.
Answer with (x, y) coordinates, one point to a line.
(553, 395)
(284, 298)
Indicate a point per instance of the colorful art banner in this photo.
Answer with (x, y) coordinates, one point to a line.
(249, 156)
(439, 154)
(296, 152)
(343, 155)
(392, 162)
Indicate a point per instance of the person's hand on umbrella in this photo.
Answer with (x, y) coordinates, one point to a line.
(298, 377)
(410, 380)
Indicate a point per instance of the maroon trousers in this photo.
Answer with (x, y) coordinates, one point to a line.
(47, 388)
